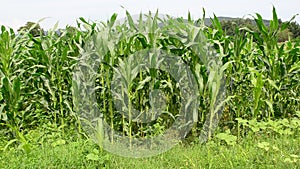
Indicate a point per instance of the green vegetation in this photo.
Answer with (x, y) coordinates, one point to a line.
(39, 112)
(229, 25)
(255, 151)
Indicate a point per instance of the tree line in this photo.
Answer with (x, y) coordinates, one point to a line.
(230, 26)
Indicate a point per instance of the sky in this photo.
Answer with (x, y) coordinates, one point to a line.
(15, 13)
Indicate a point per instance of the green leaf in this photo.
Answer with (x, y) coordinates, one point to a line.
(9, 143)
(143, 82)
(260, 24)
(275, 20)
(6, 90)
(26, 147)
(16, 88)
(242, 121)
(112, 20)
(228, 138)
(130, 21)
(270, 106)
(58, 142)
(294, 156)
(3, 29)
(189, 17)
(83, 20)
(273, 84)
(264, 145)
(3, 115)
(295, 68)
(92, 157)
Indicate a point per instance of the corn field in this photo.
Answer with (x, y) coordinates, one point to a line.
(261, 76)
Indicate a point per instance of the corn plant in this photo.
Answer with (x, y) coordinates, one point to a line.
(11, 84)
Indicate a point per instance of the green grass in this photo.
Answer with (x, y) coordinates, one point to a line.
(252, 151)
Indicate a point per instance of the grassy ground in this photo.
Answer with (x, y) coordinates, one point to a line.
(251, 152)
